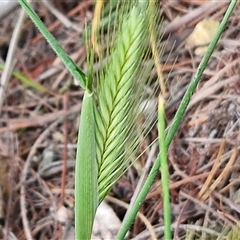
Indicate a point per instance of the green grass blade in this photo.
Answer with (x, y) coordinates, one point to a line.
(86, 190)
(27, 81)
(175, 124)
(164, 170)
(76, 72)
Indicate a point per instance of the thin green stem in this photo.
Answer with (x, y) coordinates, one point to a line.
(176, 122)
(193, 84)
(164, 169)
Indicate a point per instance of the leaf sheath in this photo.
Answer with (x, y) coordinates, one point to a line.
(86, 190)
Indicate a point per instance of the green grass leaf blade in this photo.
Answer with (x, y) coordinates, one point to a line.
(164, 170)
(175, 124)
(86, 189)
(76, 72)
(28, 82)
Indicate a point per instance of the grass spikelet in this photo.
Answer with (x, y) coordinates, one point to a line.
(119, 96)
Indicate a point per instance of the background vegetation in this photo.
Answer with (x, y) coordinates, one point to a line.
(202, 156)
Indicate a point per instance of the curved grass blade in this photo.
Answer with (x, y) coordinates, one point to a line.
(86, 189)
(76, 72)
(176, 122)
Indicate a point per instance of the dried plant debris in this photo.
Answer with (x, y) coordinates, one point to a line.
(38, 131)
(202, 36)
